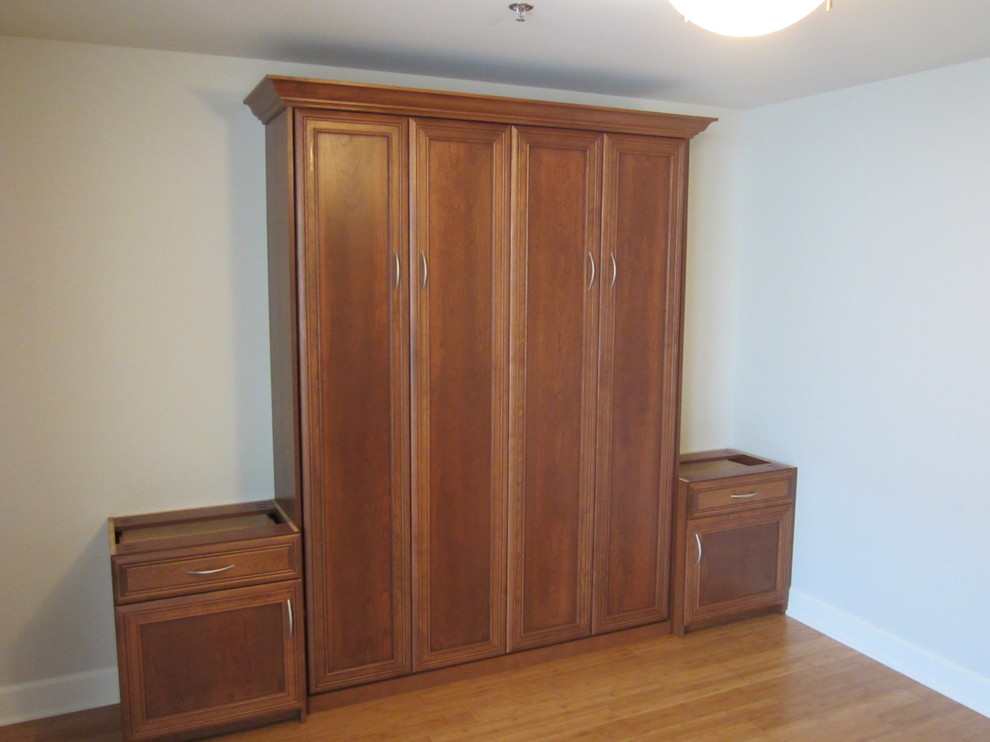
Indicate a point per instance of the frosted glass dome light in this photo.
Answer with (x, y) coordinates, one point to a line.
(744, 17)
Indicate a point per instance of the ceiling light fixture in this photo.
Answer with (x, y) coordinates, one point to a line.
(521, 10)
(745, 17)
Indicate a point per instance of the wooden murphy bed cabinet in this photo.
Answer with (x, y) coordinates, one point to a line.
(475, 330)
(735, 527)
(209, 620)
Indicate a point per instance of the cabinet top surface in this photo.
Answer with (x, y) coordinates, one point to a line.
(138, 534)
(275, 94)
(725, 463)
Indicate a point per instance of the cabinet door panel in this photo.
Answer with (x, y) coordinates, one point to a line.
(198, 662)
(556, 255)
(638, 406)
(355, 396)
(460, 195)
(739, 561)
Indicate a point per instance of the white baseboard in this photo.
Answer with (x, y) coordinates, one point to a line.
(62, 695)
(929, 669)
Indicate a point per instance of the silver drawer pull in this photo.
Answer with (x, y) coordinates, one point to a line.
(292, 623)
(697, 538)
(209, 571)
(592, 279)
(740, 497)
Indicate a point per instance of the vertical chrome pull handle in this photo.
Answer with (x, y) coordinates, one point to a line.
(592, 279)
(292, 623)
(615, 269)
(398, 268)
(426, 268)
(697, 538)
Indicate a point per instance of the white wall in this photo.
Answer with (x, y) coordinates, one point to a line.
(864, 358)
(133, 323)
(712, 287)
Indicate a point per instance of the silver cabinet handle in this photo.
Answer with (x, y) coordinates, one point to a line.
(740, 497)
(209, 571)
(697, 538)
(615, 269)
(292, 623)
(398, 268)
(426, 268)
(592, 279)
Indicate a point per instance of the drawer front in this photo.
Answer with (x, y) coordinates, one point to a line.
(740, 495)
(144, 580)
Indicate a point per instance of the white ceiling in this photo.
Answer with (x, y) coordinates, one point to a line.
(633, 48)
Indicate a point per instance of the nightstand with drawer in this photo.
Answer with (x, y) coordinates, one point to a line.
(209, 619)
(734, 530)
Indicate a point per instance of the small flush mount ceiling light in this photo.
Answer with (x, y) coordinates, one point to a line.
(746, 17)
(521, 10)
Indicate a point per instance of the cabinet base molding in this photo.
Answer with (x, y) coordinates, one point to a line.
(479, 668)
(743, 615)
(231, 727)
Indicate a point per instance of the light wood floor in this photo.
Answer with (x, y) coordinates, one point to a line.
(765, 679)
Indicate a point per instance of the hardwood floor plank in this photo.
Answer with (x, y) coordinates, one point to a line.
(769, 679)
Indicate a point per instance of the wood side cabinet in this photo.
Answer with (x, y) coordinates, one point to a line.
(735, 529)
(209, 620)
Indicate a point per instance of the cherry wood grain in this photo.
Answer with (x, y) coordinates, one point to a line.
(354, 320)
(283, 314)
(722, 463)
(159, 573)
(639, 378)
(595, 379)
(196, 528)
(741, 493)
(191, 663)
(745, 562)
(556, 255)
(460, 253)
(739, 508)
(274, 94)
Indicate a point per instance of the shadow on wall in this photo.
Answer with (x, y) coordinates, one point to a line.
(71, 633)
(248, 253)
(569, 74)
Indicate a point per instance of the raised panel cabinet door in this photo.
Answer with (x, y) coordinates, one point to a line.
(355, 390)
(735, 562)
(460, 285)
(642, 235)
(198, 662)
(556, 261)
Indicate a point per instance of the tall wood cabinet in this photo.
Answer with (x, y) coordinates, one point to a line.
(353, 395)
(553, 384)
(639, 378)
(460, 176)
(595, 370)
(476, 319)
